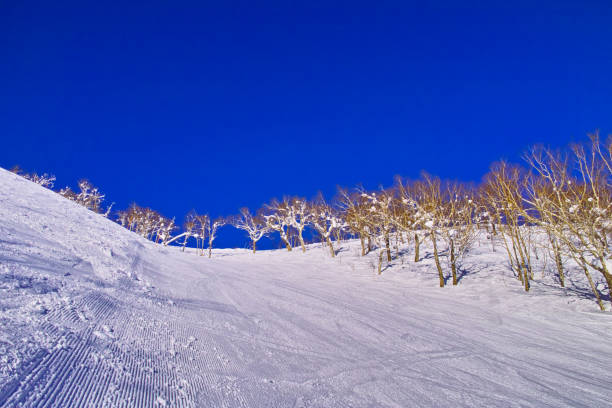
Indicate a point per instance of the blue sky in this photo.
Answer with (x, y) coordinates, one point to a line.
(218, 105)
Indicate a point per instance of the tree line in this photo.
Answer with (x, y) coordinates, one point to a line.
(559, 202)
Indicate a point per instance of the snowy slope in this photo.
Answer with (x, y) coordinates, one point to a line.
(93, 315)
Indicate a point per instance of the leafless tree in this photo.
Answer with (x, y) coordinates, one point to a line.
(429, 209)
(299, 217)
(325, 221)
(45, 180)
(457, 225)
(578, 210)
(353, 207)
(211, 231)
(189, 227)
(89, 197)
(380, 221)
(202, 222)
(504, 191)
(278, 220)
(254, 225)
(147, 223)
(410, 216)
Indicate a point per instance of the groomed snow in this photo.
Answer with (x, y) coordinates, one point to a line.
(92, 315)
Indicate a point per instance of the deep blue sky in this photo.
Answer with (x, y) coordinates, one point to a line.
(217, 105)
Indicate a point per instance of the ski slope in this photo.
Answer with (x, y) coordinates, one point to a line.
(91, 315)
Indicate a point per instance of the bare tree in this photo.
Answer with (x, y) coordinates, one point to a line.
(45, 180)
(325, 221)
(89, 197)
(409, 215)
(504, 190)
(167, 227)
(538, 195)
(278, 220)
(211, 231)
(354, 208)
(580, 208)
(202, 224)
(430, 202)
(147, 223)
(254, 225)
(299, 217)
(189, 227)
(380, 221)
(457, 224)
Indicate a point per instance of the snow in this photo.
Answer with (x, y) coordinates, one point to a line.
(94, 315)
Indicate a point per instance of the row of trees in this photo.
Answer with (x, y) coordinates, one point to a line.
(290, 218)
(88, 196)
(45, 180)
(560, 203)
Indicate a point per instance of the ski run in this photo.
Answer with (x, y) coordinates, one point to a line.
(92, 315)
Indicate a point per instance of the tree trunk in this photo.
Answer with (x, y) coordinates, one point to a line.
(302, 241)
(388, 247)
(523, 252)
(519, 265)
(593, 287)
(185, 242)
(337, 234)
(526, 278)
(287, 244)
(417, 245)
(435, 248)
(362, 240)
(331, 248)
(210, 251)
(254, 246)
(512, 268)
(453, 262)
(559, 263)
(608, 277)
(380, 259)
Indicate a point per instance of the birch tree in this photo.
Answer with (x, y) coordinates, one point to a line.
(298, 216)
(202, 225)
(211, 231)
(380, 220)
(147, 223)
(457, 224)
(410, 217)
(325, 221)
(581, 206)
(505, 184)
(354, 209)
(45, 180)
(254, 225)
(89, 197)
(277, 220)
(429, 204)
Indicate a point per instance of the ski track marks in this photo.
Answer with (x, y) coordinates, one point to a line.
(264, 339)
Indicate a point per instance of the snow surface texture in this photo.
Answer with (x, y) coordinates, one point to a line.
(91, 315)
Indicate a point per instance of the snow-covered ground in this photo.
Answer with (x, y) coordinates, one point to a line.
(92, 315)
